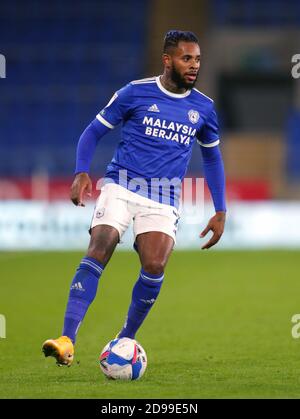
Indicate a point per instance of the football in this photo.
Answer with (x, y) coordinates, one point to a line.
(123, 359)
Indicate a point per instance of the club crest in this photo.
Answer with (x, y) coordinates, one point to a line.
(100, 213)
(193, 116)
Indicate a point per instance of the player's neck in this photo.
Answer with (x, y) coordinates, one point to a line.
(170, 85)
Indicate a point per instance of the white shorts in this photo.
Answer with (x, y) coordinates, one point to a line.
(116, 206)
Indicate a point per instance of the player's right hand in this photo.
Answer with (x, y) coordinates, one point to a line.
(82, 185)
(216, 225)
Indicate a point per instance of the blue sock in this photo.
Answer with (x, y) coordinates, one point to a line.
(144, 294)
(83, 291)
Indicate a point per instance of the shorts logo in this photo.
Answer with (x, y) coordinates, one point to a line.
(100, 213)
(193, 116)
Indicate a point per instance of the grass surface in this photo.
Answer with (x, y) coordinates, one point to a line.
(221, 327)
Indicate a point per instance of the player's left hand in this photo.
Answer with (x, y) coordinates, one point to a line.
(216, 224)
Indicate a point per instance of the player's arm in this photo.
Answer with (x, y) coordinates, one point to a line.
(215, 177)
(82, 184)
(114, 112)
(208, 139)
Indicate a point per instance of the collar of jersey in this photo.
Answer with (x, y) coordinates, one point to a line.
(178, 95)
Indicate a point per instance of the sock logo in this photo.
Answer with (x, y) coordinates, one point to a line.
(77, 286)
(152, 301)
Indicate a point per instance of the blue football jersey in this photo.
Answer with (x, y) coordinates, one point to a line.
(159, 129)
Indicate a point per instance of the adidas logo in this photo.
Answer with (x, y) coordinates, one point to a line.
(153, 108)
(152, 301)
(77, 287)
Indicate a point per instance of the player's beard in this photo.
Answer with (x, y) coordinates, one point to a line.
(181, 83)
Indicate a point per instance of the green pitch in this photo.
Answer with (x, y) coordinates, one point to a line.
(221, 327)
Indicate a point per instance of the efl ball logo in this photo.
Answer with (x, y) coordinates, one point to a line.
(193, 116)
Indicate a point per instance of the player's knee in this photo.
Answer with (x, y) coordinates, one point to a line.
(101, 255)
(102, 244)
(154, 267)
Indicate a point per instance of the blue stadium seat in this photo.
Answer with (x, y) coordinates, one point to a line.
(66, 59)
(253, 13)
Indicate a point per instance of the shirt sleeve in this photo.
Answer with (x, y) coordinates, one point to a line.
(87, 145)
(118, 108)
(208, 136)
(215, 176)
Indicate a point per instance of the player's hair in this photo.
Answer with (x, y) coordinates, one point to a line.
(173, 37)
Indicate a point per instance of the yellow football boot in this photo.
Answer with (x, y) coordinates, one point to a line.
(62, 349)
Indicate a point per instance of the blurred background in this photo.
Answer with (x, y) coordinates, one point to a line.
(65, 59)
